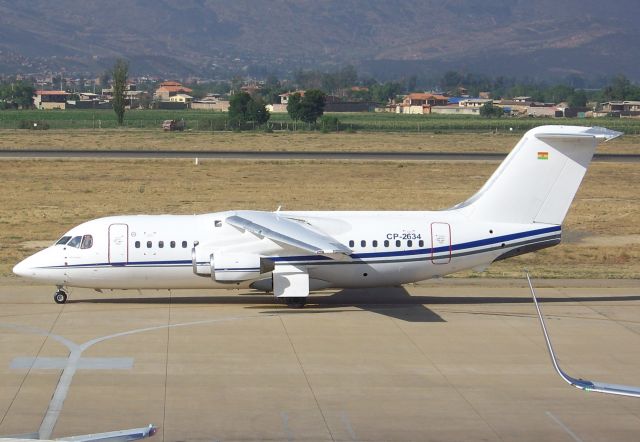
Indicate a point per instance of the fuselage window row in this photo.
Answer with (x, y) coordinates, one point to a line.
(386, 243)
(172, 244)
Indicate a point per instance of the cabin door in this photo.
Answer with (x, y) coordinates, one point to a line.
(440, 243)
(118, 244)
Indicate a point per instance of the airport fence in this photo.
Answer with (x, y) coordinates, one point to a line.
(346, 122)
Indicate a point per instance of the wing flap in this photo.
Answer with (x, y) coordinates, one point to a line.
(286, 231)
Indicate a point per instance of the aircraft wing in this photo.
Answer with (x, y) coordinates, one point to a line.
(290, 232)
(582, 384)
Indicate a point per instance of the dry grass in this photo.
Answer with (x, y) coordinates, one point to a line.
(281, 141)
(40, 200)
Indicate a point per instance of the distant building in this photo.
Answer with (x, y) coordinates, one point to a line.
(474, 102)
(50, 99)
(621, 108)
(181, 98)
(169, 89)
(251, 89)
(277, 108)
(284, 98)
(421, 103)
(423, 99)
(455, 109)
(211, 103)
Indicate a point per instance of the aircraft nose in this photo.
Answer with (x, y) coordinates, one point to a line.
(22, 268)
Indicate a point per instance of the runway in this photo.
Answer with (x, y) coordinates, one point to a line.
(280, 155)
(447, 360)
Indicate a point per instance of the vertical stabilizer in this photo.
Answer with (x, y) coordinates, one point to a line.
(537, 181)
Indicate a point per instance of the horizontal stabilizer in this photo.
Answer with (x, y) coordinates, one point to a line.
(290, 232)
(599, 133)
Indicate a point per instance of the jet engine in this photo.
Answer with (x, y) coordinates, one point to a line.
(228, 267)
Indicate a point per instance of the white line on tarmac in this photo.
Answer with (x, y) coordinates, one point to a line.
(347, 424)
(285, 424)
(563, 426)
(75, 354)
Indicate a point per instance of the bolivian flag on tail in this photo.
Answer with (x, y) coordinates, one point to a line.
(543, 155)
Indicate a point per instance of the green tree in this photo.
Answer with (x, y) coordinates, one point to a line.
(23, 94)
(577, 99)
(488, 110)
(312, 105)
(257, 111)
(382, 93)
(243, 108)
(18, 93)
(119, 73)
(294, 105)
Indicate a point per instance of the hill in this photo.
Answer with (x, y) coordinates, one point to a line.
(538, 39)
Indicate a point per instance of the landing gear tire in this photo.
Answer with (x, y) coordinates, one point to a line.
(295, 302)
(60, 297)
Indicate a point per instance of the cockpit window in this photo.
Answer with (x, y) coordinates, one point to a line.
(87, 242)
(62, 241)
(75, 242)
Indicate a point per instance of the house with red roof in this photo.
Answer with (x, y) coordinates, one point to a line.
(170, 89)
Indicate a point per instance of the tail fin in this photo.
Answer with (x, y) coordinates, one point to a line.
(539, 178)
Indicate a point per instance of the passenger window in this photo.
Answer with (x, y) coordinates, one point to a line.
(149, 244)
(172, 244)
(374, 243)
(161, 244)
(409, 243)
(75, 242)
(421, 243)
(363, 243)
(351, 243)
(386, 243)
(62, 241)
(184, 244)
(137, 244)
(397, 243)
(87, 242)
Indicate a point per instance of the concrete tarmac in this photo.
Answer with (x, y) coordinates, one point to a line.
(447, 360)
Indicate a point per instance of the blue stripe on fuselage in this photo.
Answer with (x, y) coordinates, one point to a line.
(360, 256)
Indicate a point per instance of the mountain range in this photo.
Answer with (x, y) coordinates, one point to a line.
(536, 39)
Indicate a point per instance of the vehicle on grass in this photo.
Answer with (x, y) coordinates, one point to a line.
(172, 125)
(519, 210)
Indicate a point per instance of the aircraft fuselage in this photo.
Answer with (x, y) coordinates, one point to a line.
(176, 251)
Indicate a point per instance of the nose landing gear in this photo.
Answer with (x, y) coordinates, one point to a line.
(60, 296)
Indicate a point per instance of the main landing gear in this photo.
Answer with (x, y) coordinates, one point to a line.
(296, 301)
(60, 296)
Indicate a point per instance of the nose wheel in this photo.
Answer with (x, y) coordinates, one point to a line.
(60, 296)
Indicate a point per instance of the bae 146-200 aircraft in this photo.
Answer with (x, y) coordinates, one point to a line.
(520, 209)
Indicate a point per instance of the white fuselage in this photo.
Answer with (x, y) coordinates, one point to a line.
(173, 251)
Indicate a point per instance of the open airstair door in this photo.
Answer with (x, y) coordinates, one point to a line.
(440, 243)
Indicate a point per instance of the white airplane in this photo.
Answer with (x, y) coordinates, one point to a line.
(519, 210)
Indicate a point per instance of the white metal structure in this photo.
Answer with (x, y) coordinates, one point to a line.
(520, 209)
(581, 384)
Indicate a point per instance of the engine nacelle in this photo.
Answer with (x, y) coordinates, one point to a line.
(235, 267)
(224, 266)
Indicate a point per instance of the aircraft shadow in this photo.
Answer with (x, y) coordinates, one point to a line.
(395, 302)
